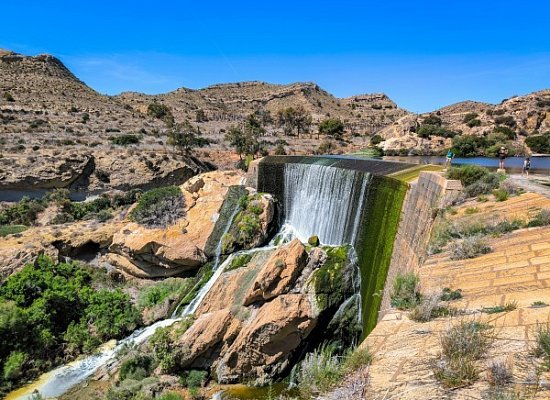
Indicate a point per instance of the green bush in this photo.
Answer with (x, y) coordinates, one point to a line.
(506, 131)
(469, 145)
(427, 131)
(159, 207)
(542, 335)
(467, 174)
(6, 230)
(469, 117)
(332, 127)
(159, 292)
(541, 219)
(469, 247)
(48, 309)
(376, 139)
(474, 122)
(136, 366)
(13, 366)
(405, 294)
(507, 120)
(501, 194)
(125, 140)
(432, 120)
(539, 143)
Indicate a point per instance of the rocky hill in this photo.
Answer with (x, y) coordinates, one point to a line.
(511, 122)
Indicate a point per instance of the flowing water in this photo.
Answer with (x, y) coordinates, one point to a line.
(324, 201)
(61, 379)
(318, 200)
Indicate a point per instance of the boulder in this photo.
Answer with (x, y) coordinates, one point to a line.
(263, 347)
(203, 341)
(161, 252)
(278, 274)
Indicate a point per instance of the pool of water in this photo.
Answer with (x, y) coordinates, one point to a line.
(539, 165)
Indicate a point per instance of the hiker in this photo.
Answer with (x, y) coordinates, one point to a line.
(526, 166)
(450, 156)
(502, 153)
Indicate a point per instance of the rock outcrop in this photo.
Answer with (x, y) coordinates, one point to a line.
(278, 274)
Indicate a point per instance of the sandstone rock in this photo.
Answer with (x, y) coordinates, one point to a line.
(161, 252)
(202, 342)
(278, 274)
(263, 347)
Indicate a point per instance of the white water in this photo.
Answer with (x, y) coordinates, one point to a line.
(319, 200)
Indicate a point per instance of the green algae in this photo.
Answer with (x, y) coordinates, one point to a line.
(375, 242)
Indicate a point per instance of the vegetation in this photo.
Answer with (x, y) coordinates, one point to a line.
(159, 207)
(429, 308)
(245, 139)
(324, 368)
(185, 137)
(294, 119)
(159, 292)
(49, 311)
(427, 131)
(461, 345)
(136, 366)
(469, 247)
(125, 140)
(6, 230)
(510, 306)
(542, 335)
(406, 294)
(541, 219)
(246, 226)
(326, 147)
(8, 97)
(239, 261)
(539, 143)
(332, 127)
(475, 180)
(162, 112)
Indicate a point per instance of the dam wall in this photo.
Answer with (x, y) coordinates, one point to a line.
(430, 193)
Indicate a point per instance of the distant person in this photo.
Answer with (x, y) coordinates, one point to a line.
(450, 156)
(502, 154)
(526, 166)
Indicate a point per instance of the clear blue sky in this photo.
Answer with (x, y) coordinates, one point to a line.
(423, 54)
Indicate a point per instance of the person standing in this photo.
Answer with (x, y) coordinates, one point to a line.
(450, 156)
(502, 154)
(526, 166)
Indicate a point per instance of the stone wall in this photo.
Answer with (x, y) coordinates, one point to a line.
(431, 192)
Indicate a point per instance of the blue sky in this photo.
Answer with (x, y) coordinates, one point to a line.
(423, 54)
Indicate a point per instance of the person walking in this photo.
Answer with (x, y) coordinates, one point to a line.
(526, 166)
(450, 156)
(502, 154)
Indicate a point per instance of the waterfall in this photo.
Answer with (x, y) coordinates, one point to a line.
(324, 201)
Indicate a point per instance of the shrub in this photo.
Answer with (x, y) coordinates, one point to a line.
(136, 366)
(6, 230)
(507, 132)
(501, 194)
(507, 120)
(469, 247)
(239, 261)
(318, 372)
(429, 308)
(474, 122)
(541, 219)
(542, 335)
(196, 379)
(469, 117)
(510, 306)
(13, 367)
(125, 140)
(376, 139)
(326, 147)
(432, 120)
(159, 207)
(539, 143)
(467, 174)
(449, 295)
(8, 97)
(426, 131)
(461, 346)
(469, 145)
(159, 292)
(405, 294)
(332, 127)
(499, 373)
(280, 150)
(48, 309)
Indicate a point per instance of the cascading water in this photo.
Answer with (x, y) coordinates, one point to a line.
(324, 201)
(58, 381)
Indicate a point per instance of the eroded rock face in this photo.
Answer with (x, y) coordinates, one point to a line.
(278, 274)
(159, 252)
(205, 339)
(262, 349)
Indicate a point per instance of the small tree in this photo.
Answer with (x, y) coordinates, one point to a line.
(332, 127)
(185, 137)
(294, 118)
(245, 139)
(162, 112)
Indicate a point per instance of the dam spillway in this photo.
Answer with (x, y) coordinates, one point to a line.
(341, 199)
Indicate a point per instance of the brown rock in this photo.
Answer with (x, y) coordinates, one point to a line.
(263, 347)
(279, 273)
(201, 343)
